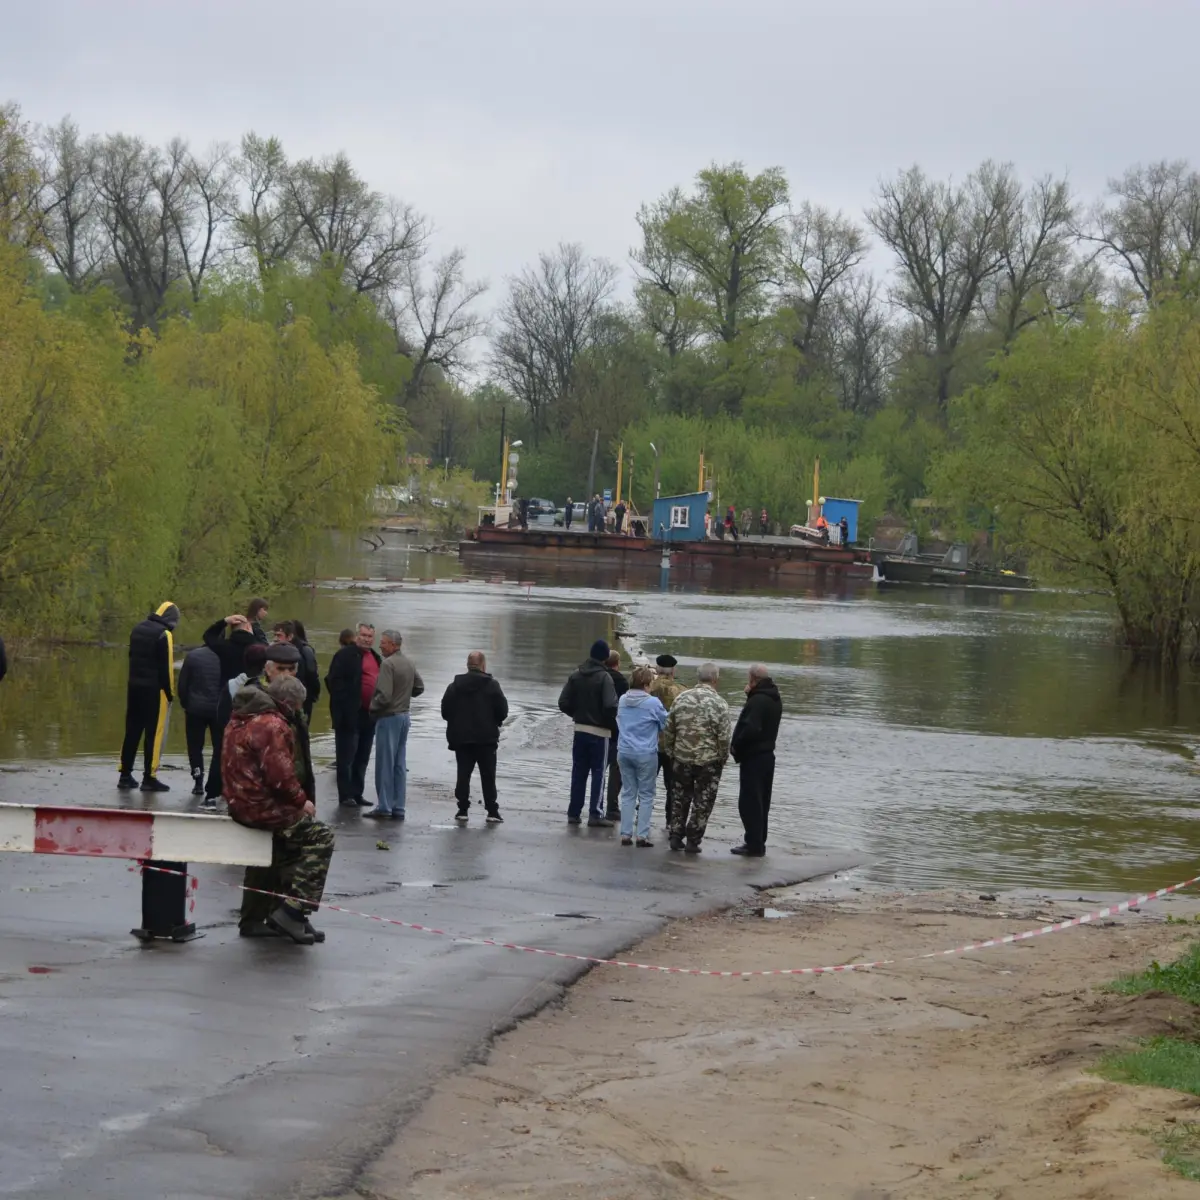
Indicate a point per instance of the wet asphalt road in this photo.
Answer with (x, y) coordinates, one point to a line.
(235, 1068)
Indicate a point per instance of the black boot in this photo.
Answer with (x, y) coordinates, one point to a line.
(127, 783)
(291, 922)
(152, 784)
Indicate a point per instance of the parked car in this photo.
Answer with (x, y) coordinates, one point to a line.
(578, 514)
(539, 507)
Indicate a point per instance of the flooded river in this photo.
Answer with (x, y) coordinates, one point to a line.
(982, 740)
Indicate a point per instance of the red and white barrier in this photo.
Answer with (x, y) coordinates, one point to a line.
(129, 833)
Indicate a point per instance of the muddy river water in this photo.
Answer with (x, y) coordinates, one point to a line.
(965, 739)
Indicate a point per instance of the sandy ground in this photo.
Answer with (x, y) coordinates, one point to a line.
(957, 1078)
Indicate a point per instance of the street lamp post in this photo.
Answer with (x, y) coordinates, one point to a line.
(655, 449)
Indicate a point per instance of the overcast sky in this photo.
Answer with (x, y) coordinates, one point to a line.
(519, 123)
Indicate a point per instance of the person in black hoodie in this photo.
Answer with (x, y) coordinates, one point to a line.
(590, 700)
(231, 649)
(753, 749)
(474, 707)
(200, 695)
(150, 692)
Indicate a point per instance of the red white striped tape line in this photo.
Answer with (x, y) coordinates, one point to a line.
(1006, 940)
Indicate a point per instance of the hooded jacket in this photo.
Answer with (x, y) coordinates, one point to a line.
(230, 650)
(200, 683)
(258, 769)
(589, 698)
(641, 718)
(758, 722)
(151, 651)
(310, 676)
(473, 707)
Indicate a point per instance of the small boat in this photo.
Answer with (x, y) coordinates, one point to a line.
(906, 564)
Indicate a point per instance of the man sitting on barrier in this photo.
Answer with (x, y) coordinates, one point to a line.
(258, 768)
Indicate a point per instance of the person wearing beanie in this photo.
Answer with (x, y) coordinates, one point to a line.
(148, 698)
(590, 700)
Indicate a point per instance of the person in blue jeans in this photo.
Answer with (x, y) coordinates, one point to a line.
(640, 717)
(590, 700)
(398, 682)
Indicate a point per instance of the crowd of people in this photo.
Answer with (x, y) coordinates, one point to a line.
(251, 697)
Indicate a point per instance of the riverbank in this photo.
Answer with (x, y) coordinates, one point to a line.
(948, 1079)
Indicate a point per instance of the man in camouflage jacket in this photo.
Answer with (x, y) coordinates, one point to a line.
(258, 772)
(697, 739)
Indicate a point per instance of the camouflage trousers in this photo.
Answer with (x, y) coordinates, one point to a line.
(693, 794)
(300, 860)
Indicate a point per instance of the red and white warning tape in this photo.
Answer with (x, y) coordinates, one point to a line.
(1006, 940)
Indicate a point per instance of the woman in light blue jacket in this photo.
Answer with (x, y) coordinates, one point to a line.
(640, 716)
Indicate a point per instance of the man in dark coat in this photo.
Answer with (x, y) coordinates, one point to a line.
(590, 700)
(612, 807)
(200, 695)
(350, 684)
(753, 749)
(149, 695)
(474, 707)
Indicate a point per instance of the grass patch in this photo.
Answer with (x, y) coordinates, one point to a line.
(1159, 1062)
(1180, 1145)
(1179, 978)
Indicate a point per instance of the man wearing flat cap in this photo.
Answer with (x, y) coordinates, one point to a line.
(590, 700)
(666, 689)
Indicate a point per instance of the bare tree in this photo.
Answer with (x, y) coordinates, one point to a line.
(551, 316)
(268, 224)
(202, 209)
(821, 252)
(366, 237)
(665, 294)
(164, 214)
(863, 345)
(1149, 227)
(71, 229)
(437, 319)
(1038, 271)
(948, 243)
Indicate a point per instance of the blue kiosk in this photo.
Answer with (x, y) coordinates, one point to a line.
(835, 509)
(680, 518)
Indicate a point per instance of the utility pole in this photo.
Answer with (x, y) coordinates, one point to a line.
(591, 489)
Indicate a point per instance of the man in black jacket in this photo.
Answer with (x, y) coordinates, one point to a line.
(590, 700)
(350, 684)
(200, 695)
(229, 638)
(474, 707)
(753, 749)
(150, 692)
